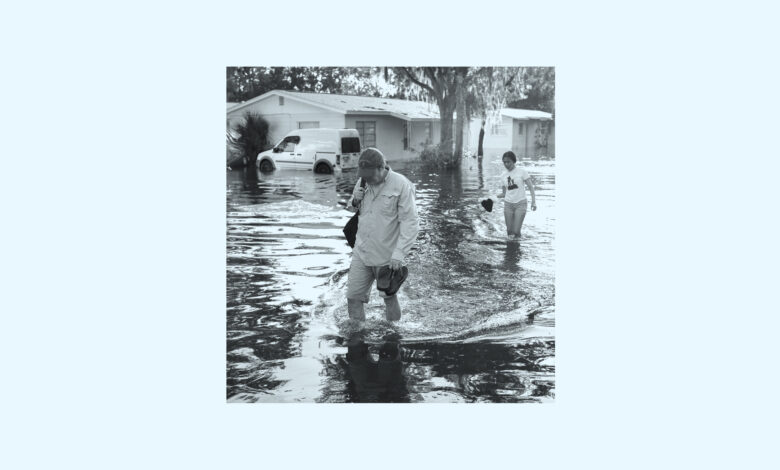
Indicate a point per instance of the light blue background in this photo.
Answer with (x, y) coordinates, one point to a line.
(113, 192)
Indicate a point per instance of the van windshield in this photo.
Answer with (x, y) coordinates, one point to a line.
(350, 145)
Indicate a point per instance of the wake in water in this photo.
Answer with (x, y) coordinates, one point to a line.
(459, 294)
(456, 313)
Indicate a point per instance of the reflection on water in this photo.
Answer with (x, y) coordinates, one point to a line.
(478, 321)
(374, 375)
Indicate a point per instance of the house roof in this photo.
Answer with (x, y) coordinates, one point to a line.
(348, 104)
(524, 114)
(402, 109)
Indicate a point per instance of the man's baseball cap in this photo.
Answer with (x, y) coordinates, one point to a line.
(370, 160)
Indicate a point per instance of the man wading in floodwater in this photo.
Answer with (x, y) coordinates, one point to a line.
(387, 229)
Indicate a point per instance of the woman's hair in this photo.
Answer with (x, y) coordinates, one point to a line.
(509, 154)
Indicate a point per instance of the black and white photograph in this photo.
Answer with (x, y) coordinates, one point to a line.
(390, 234)
(443, 236)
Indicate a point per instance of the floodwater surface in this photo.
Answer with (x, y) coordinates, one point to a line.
(478, 310)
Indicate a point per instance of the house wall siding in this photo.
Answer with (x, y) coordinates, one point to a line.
(524, 146)
(285, 118)
(420, 136)
(551, 140)
(389, 135)
(493, 145)
(520, 142)
(533, 150)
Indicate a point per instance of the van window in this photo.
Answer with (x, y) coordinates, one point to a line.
(350, 145)
(288, 144)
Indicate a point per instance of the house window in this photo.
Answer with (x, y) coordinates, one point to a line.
(367, 131)
(428, 132)
(281, 101)
(406, 135)
(520, 128)
(543, 127)
(308, 124)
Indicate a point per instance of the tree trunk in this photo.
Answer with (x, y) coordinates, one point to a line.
(446, 108)
(460, 99)
(480, 150)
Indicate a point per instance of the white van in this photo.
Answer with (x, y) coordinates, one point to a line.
(319, 150)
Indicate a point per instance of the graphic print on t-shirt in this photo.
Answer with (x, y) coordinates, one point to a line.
(510, 183)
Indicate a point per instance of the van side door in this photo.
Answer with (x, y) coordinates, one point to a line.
(285, 158)
(301, 155)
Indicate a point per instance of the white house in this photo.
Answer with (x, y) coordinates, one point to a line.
(399, 128)
(528, 133)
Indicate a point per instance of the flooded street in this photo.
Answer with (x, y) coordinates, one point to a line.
(478, 311)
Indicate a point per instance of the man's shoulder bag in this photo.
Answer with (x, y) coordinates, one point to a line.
(350, 230)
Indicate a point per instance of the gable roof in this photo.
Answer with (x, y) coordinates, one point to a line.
(525, 114)
(349, 104)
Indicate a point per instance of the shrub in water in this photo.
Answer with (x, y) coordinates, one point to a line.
(438, 157)
(251, 137)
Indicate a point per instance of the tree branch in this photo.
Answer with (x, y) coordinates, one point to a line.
(436, 76)
(417, 82)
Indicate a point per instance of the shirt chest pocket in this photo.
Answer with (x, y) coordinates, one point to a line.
(388, 204)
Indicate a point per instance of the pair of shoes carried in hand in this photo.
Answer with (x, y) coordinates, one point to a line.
(390, 281)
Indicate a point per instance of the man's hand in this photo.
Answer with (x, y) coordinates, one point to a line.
(395, 265)
(357, 196)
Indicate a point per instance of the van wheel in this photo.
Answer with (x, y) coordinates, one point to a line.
(266, 167)
(323, 168)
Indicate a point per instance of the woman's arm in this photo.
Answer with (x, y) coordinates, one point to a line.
(530, 183)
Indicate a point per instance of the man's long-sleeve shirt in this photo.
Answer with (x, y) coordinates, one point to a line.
(388, 226)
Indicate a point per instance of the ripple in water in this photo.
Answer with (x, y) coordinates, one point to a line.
(478, 321)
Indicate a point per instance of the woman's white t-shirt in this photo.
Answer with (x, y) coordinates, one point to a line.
(514, 182)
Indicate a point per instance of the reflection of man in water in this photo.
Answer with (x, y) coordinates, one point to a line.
(386, 232)
(376, 381)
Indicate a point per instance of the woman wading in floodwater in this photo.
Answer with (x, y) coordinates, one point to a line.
(513, 192)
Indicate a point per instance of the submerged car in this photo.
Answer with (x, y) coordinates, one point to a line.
(319, 150)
